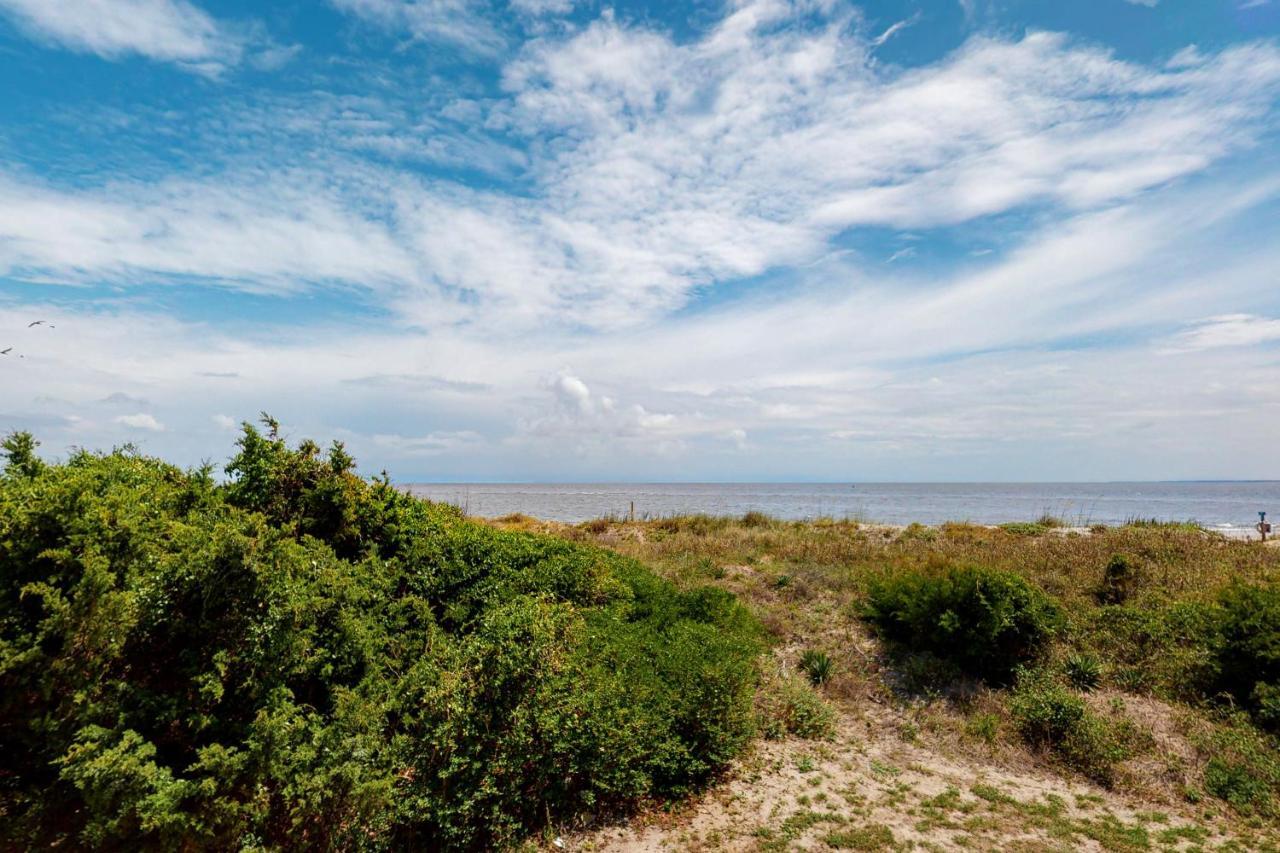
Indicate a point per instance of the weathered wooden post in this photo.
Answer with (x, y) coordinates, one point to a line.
(633, 510)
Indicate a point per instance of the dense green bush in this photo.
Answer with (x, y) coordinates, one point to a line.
(301, 659)
(1243, 768)
(984, 621)
(1248, 660)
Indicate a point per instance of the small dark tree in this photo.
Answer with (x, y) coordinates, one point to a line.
(1119, 581)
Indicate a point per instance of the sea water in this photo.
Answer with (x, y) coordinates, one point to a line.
(1230, 506)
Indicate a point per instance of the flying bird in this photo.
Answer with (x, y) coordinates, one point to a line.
(5, 351)
(41, 323)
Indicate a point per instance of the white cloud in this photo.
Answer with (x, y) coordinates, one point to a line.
(164, 30)
(140, 421)
(658, 169)
(226, 422)
(270, 235)
(1228, 330)
(543, 7)
(962, 374)
(461, 22)
(894, 29)
(431, 444)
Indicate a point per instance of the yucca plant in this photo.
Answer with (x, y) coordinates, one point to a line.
(1083, 671)
(817, 665)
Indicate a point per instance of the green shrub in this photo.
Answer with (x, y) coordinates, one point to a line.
(1243, 767)
(1083, 671)
(985, 727)
(1248, 657)
(984, 621)
(302, 659)
(1049, 716)
(1025, 528)
(817, 665)
(917, 532)
(1170, 650)
(790, 706)
(1233, 782)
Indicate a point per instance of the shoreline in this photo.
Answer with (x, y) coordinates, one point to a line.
(1231, 532)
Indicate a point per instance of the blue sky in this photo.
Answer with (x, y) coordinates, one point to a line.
(563, 240)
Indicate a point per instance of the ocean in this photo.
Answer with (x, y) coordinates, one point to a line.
(1229, 506)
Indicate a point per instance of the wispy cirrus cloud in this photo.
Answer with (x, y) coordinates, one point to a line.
(1228, 330)
(461, 22)
(248, 236)
(164, 30)
(656, 169)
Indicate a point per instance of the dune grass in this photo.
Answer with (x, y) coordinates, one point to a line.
(1143, 607)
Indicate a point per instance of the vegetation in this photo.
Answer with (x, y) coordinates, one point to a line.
(302, 659)
(1051, 717)
(1143, 656)
(1083, 671)
(986, 622)
(1119, 581)
(817, 665)
(1248, 657)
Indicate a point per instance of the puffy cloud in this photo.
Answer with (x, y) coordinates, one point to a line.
(140, 421)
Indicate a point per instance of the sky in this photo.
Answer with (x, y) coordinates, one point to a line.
(569, 240)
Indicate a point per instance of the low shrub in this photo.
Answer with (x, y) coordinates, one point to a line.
(1025, 528)
(986, 622)
(917, 532)
(1050, 716)
(1248, 656)
(303, 659)
(983, 726)
(1169, 650)
(790, 706)
(1243, 767)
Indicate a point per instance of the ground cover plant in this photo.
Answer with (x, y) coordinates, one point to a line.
(300, 658)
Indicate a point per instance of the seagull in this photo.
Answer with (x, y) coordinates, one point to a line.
(41, 323)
